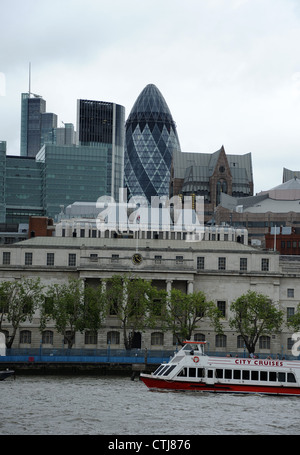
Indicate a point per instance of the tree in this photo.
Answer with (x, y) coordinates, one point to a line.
(294, 321)
(255, 315)
(73, 308)
(130, 299)
(19, 300)
(185, 311)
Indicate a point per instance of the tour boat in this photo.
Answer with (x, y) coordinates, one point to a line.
(192, 370)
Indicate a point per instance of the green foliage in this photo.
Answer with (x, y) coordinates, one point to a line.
(185, 311)
(294, 321)
(255, 315)
(19, 300)
(73, 308)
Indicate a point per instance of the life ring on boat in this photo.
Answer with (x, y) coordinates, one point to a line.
(196, 359)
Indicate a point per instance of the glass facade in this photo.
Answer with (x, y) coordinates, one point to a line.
(101, 122)
(151, 139)
(73, 173)
(31, 124)
(23, 189)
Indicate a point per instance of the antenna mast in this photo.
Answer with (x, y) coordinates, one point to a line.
(29, 91)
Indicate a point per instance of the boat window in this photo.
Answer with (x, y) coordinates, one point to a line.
(183, 372)
(281, 377)
(192, 372)
(272, 376)
(228, 374)
(169, 370)
(201, 372)
(210, 373)
(159, 369)
(246, 374)
(219, 373)
(263, 375)
(163, 370)
(291, 377)
(254, 375)
(236, 374)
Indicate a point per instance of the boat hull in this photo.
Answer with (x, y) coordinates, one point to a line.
(157, 383)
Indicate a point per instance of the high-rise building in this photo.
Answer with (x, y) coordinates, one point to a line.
(101, 122)
(151, 140)
(32, 107)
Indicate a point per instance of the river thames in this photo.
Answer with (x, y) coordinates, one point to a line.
(91, 405)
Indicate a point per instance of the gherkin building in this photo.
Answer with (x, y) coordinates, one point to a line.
(151, 139)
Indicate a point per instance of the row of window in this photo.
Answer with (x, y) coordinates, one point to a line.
(219, 373)
(6, 260)
(157, 339)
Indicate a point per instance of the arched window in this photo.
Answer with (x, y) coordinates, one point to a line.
(47, 337)
(113, 337)
(25, 336)
(199, 337)
(157, 339)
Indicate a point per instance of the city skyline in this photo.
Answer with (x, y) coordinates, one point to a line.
(229, 70)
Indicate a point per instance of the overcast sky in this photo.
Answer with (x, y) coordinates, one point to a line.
(229, 70)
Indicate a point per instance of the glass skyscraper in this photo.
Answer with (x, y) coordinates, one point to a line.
(151, 139)
(101, 122)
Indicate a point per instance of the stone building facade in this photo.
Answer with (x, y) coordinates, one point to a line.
(223, 270)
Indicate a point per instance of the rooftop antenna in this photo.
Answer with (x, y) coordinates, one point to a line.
(29, 91)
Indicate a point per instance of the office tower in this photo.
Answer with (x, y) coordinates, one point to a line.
(31, 122)
(65, 135)
(151, 139)
(100, 122)
(48, 126)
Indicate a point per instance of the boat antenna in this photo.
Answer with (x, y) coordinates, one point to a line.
(29, 90)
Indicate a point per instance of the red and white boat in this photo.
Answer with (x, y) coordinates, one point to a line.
(192, 370)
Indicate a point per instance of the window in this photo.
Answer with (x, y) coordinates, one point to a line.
(90, 337)
(6, 258)
(113, 337)
(243, 264)
(47, 337)
(265, 265)
(264, 342)
(50, 258)
(72, 260)
(246, 374)
(157, 339)
(228, 374)
(240, 342)
(94, 257)
(222, 263)
(28, 258)
(114, 258)
(290, 293)
(25, 336)
(254, 375)
(199, 337)
(220, 341)
(200, 263)
(290, 311)
(157, 259)
(179, 259)
(221, 305)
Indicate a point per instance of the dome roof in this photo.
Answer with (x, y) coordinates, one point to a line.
(150, 106)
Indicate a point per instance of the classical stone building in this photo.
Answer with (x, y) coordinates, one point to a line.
(222, 269)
